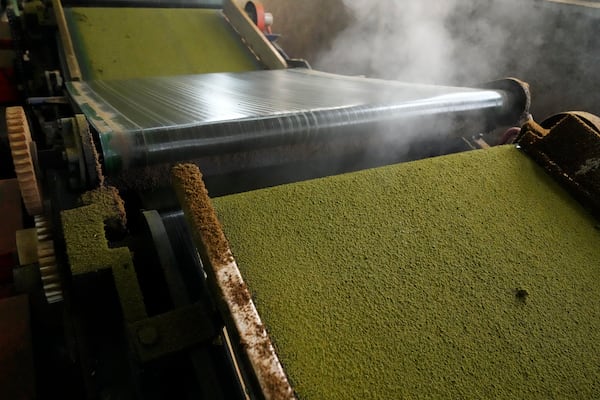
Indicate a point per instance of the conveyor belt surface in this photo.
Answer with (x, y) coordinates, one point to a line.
(465, 276)
(157, 120)
(123, 43)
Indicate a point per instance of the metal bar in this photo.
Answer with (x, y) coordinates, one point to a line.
(167, 259)
(47, 100)
(236, 304)
(72, 64)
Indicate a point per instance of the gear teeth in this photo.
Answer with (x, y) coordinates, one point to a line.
(47, 260)
(43, 229)
(19, 137)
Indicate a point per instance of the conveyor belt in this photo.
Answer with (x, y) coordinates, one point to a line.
(466, 276)
(143, 122)
(124, 43)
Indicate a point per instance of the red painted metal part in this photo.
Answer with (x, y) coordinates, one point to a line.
(259, 17)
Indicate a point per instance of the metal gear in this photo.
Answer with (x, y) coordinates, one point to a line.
(47, 261)
(20, 140)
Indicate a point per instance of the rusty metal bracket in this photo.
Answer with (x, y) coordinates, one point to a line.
(251, 344)
(567, 145)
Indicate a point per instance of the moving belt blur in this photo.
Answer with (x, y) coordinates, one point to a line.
(149, 121)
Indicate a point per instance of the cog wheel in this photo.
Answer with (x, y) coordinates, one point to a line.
(20, 140)
(47, 261)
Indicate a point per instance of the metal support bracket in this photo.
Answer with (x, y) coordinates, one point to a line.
(568, 146)
(170, 332)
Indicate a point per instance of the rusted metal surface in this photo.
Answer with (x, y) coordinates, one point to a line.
(17, 379)
(568, 146)
(254, 346)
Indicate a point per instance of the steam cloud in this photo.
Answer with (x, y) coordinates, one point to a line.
(440, 41)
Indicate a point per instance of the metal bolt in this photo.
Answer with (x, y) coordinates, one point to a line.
(147, 335)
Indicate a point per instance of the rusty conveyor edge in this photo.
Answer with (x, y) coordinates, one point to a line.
(236, 304)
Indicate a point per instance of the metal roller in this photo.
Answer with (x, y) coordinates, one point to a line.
(150, 121)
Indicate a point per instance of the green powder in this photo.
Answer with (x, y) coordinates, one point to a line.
(466, 276)
(88, 249)
(124, 43)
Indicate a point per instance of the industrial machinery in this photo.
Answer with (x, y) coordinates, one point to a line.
(104, 292)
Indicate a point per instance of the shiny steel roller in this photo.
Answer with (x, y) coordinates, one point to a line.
(144, 122)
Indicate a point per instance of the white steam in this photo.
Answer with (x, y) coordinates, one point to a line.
(439, 41)
(385, 40)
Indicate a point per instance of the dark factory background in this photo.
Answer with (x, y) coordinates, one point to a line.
(552, 45)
